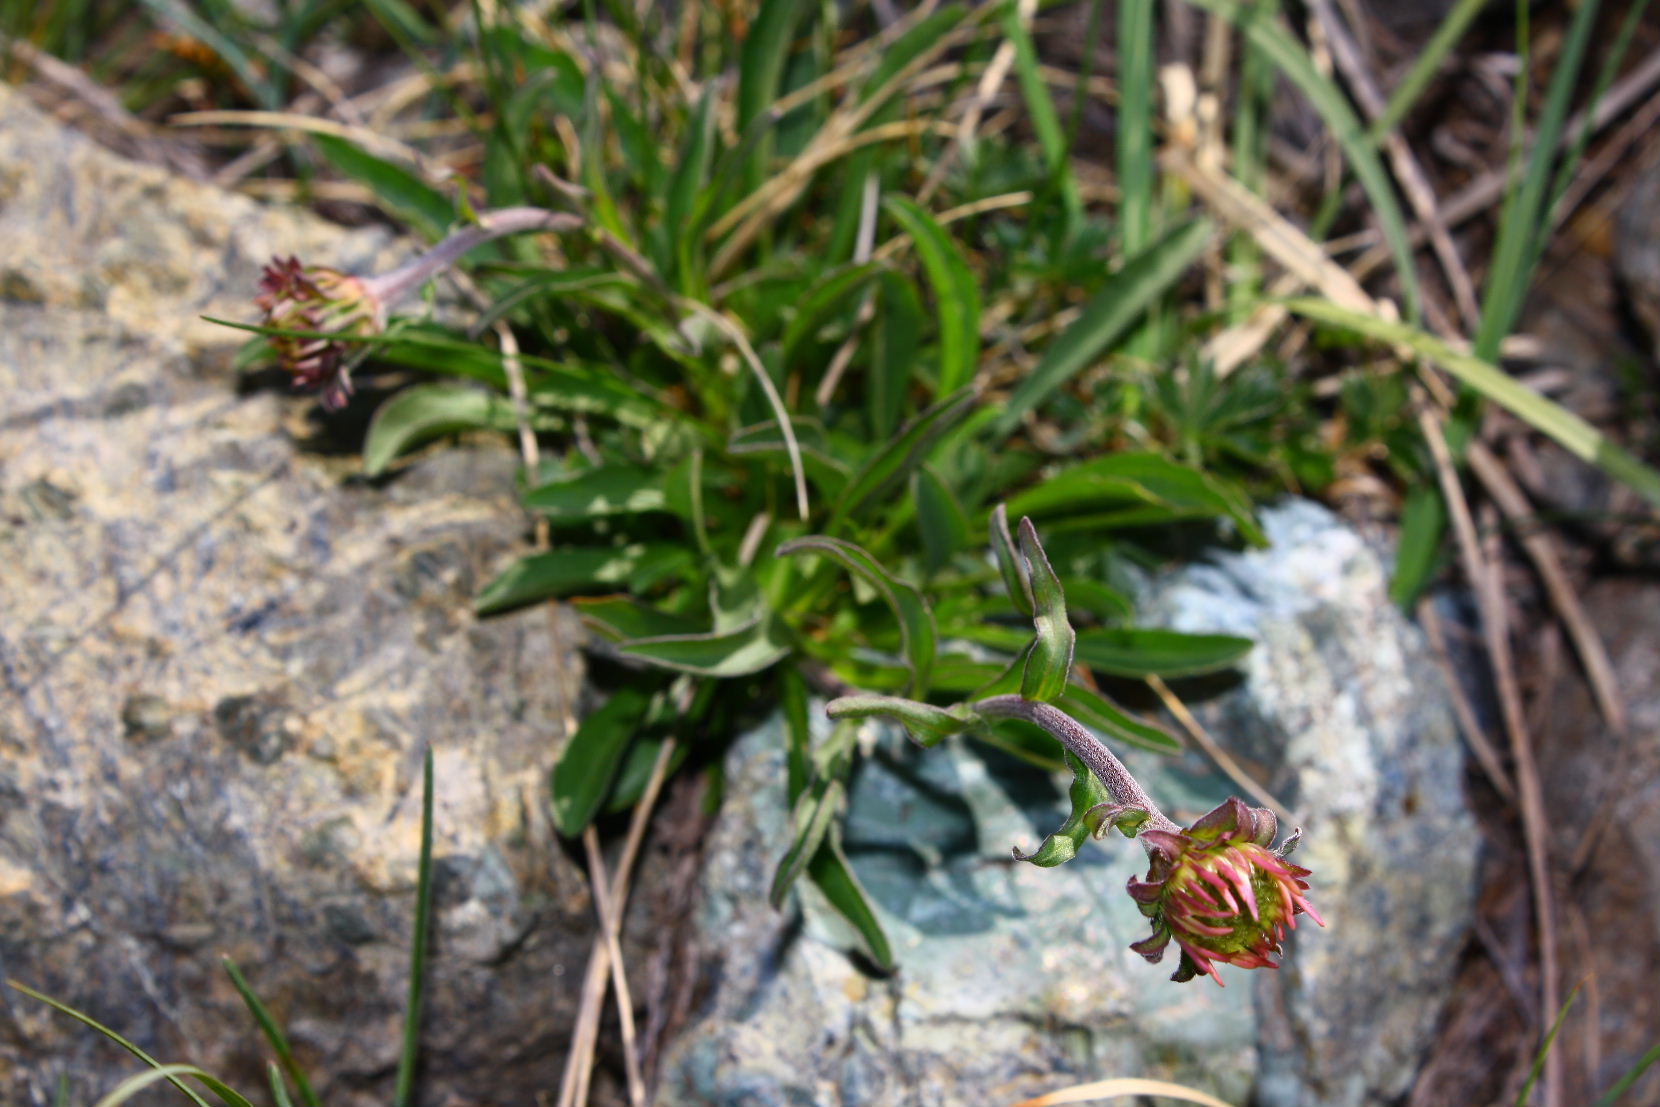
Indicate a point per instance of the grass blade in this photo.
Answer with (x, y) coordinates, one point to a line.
(1434, 52)
(1570, 431)
(135, 1084)
(956, 298)
(410, 1052)
(1544, 1050)
(403, 193)
(89, 1021)
(273, 1033)
(1105, 318)
(1293, 61)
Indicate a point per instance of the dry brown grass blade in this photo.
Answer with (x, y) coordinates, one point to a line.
(1487, 755)
(991, 81)
(1413, 181)
(610, 929)
(1541, 548)
(1224, 761)
(1485, 579)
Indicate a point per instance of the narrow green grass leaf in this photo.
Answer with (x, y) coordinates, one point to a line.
(830, 872)
(691, 174)
(1137, 62)
(426, 411)
(135, 1084)
(1430, 58)
(1520, 221)
(1106, 317)
(273, 1033)
(1423, 522)
(1569, 431)
(1544, 1050)
(1140, 652)
(605, 490)
(1133, 479)
(182, 18)
(759, 645)
(1040, 110)
(399, 191)
(940, 519)
(894, 462)
(956, 297)
(919, 640)
(409, 1053)
(89, 1021)
(828, 295)
(766, 49)
(895, 338)
(1616, 1093)
(582, 776)
(810, 820)
(279, 1089)
(1049, 663)
(1292, 59)
(1099, 713)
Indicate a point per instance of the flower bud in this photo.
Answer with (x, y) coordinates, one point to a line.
(1220, 892)
(299, 297)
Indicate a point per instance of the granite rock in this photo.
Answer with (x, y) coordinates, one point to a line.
(223, 654)
(1015, 980)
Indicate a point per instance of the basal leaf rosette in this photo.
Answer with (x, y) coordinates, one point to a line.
(296, 297)
(1220, 892)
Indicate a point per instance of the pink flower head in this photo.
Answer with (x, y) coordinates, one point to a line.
(299, 297)
(1220, 891)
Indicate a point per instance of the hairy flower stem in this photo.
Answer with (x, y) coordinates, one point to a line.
(389, 288)
(1086, 748)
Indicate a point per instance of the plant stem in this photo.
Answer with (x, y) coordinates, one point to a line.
(1085, 747)
(389, 288)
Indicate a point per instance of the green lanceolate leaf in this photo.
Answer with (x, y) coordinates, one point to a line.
(605, 490)
(1423, 521)
(588, 764)
(1062, 846)
(1106, 317)
(830, 872)
(1099, 713)
(1137, 488)
(565, 571)
(400, 191)
(940, 518)
(918, 637)
(758, 645)
(925, 723)
(810, 820)
(618, 618)
(426, 411)
(823, 302)
(1050, 662)
(893, 463)
(1135, 652)
(1009, 562)
(1570, 431)
(956, 298)
(895, 337)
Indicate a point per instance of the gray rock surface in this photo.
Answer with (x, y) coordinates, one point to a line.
(221, 657)
(1016, 980)
(1346, 719)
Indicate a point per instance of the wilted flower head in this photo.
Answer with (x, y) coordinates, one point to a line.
(299, 297)
(1220, 891)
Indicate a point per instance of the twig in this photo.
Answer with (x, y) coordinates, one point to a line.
(1223, 759)
(1414, 182)
(1486, 755)
(1490, 601)
(1541, 549)
(610, 928)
